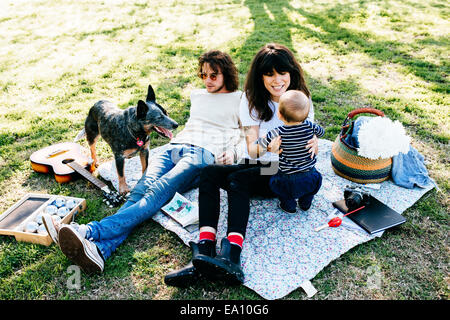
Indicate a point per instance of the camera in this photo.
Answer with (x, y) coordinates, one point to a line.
(355, 197)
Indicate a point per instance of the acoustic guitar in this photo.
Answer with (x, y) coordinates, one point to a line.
(68, 160)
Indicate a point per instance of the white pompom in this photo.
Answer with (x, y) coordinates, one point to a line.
(381, 138)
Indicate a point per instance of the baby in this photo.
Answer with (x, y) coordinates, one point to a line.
(297, 180)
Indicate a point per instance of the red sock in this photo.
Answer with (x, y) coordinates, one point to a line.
(236, 239)
(206, 235)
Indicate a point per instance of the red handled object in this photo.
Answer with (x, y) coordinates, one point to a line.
(336, 222)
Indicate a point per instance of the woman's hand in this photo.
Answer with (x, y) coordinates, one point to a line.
(226, 157)
(274, 145)
(251, 135)
(313, 146)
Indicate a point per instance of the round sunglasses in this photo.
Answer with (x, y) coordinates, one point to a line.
(212, 76)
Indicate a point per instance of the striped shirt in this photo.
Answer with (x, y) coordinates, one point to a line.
(294, 157)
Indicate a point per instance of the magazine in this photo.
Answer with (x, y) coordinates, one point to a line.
(181, 210)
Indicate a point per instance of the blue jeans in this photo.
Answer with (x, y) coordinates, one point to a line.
(297, 187)
(175, 169)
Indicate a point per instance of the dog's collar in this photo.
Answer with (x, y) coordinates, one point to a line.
(140, 142)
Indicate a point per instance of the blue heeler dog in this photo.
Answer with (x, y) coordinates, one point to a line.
(126, 131)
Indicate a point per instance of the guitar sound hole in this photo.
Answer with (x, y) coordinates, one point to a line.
(66, 161)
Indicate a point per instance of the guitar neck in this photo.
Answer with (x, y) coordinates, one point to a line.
(86, 174)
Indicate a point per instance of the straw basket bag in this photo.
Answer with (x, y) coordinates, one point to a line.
(348, 164)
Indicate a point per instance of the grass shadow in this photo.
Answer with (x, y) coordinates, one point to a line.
(386, 51)
(266, 16)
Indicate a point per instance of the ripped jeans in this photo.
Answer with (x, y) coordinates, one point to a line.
(174, 169)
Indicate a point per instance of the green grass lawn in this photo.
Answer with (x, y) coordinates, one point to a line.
(57, 58)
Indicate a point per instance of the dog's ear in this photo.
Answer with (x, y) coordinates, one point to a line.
(142, 109)
(150, 94)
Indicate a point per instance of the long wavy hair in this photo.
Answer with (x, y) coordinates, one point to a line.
(271, 57)
(218, 59)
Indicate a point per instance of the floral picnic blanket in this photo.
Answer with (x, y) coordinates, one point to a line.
(282, 252)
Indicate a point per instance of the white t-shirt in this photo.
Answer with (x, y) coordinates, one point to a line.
(213, 123)
(264, 126)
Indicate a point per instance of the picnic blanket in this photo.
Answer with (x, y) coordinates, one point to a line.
(282, 252)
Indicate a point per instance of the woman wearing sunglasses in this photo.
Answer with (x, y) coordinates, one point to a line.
(273, 71)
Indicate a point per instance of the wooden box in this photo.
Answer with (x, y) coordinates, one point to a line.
(27, 209)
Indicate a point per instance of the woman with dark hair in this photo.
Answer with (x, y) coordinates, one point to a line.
(273, 71)
(272, 58)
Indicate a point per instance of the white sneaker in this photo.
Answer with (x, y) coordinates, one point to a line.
(79, 250)
(52, 226)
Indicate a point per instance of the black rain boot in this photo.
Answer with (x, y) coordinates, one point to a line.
(225, 266)
(188, 275)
